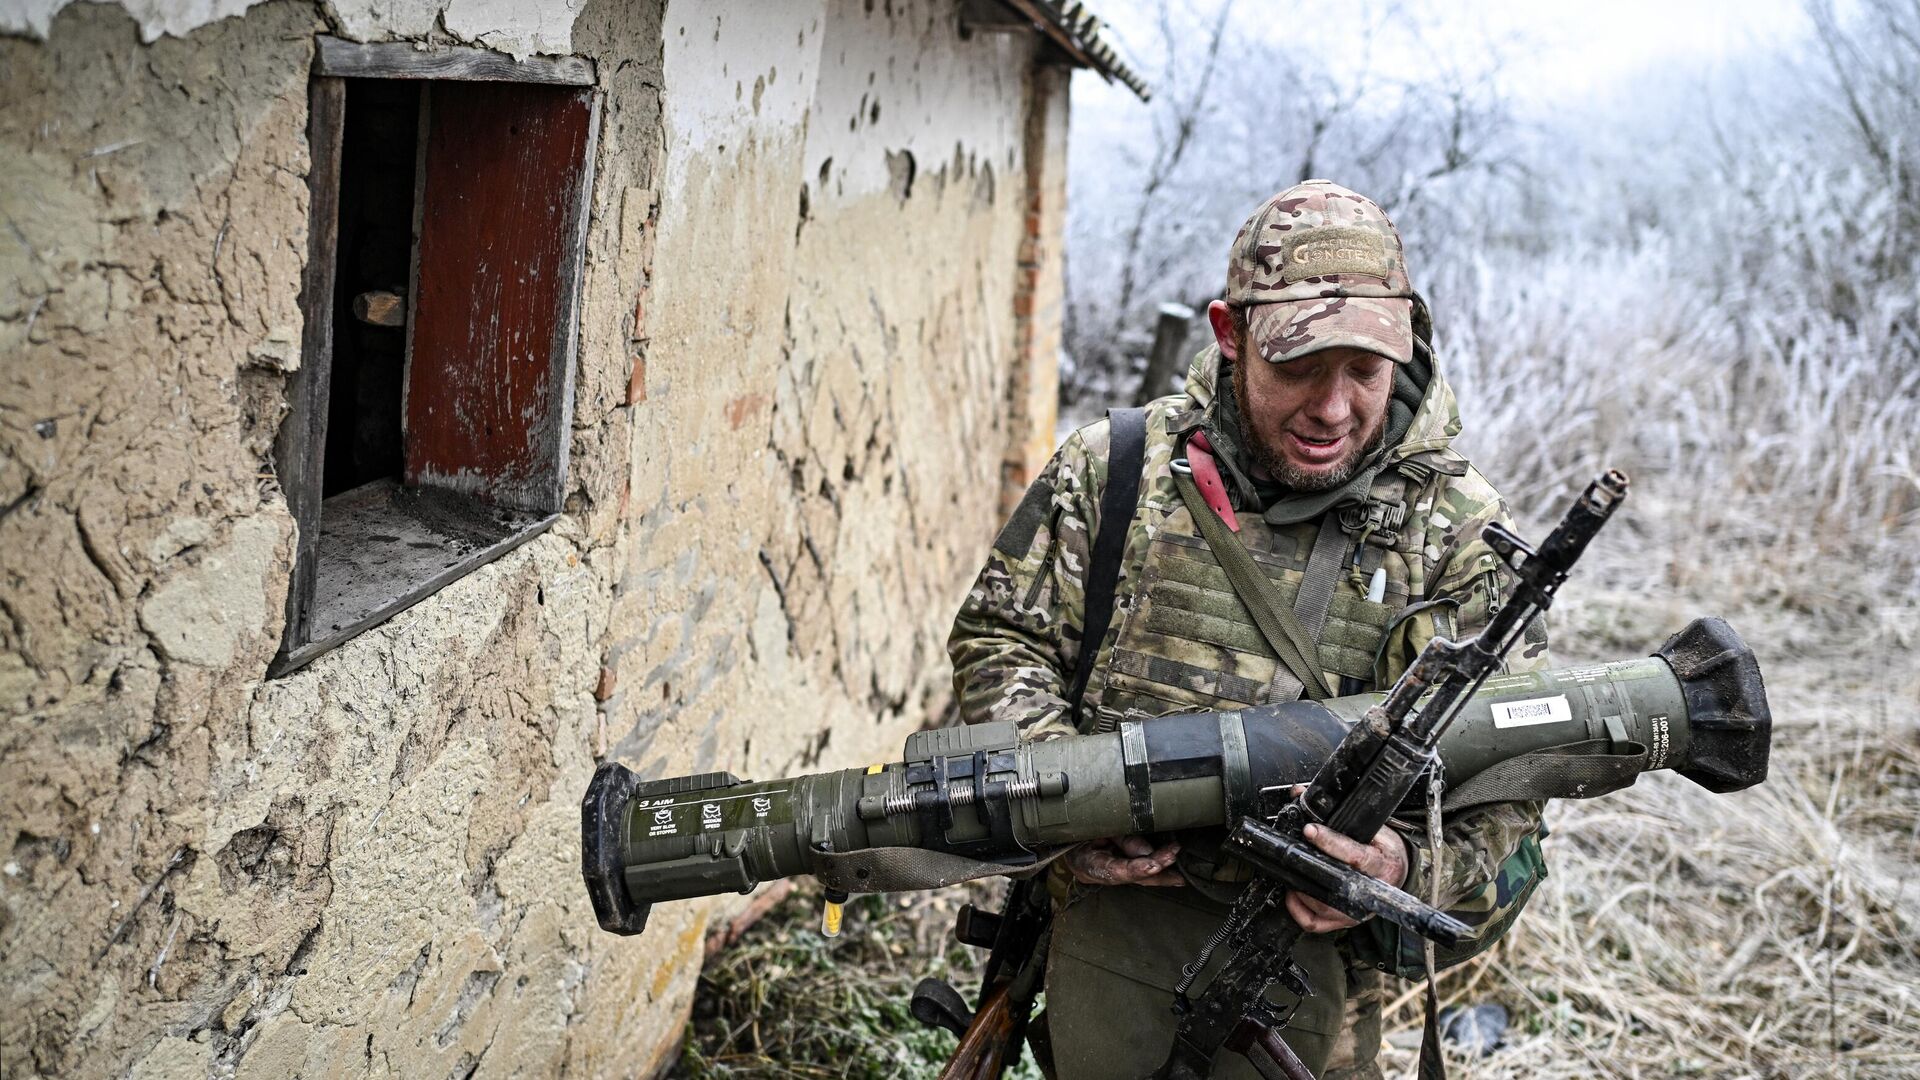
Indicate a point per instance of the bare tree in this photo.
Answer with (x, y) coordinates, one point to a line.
(1873, 69)
(1244, 113)
(1174, 132)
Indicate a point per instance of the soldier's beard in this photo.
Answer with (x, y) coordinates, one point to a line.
(1275, 462)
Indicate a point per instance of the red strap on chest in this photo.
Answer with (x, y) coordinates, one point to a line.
(1206, 476)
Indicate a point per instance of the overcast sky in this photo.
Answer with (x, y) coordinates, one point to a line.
(1584, 49)
(1559, 52)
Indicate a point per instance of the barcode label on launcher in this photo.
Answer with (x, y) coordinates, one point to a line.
(1551, 710)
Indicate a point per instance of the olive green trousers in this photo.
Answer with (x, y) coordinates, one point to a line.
(1116, 957)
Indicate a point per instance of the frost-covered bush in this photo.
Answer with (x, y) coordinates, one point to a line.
(1763, 384)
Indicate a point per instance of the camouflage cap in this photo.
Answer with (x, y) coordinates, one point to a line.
(1318, 266)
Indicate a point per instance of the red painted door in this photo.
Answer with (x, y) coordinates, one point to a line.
(502, 205)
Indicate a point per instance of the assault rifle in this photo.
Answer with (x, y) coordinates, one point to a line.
(1365, 778)
(1363, 782)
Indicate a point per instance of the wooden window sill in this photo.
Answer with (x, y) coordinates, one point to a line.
(383, 548)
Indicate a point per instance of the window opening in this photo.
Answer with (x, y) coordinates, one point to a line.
(373, 264)
(428, 422)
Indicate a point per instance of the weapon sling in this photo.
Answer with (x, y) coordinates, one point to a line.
(1119, 500)
(1277, 623)
(1292, 634)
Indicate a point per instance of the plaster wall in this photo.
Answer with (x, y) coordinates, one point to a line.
(368, 867)
(823, 359)
(791, 413)
(1039, 299)
(510, 26)
(825, 369)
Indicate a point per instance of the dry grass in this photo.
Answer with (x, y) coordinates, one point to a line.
(786, 1002)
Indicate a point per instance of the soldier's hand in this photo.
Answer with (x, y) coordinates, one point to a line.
(1385, 859)
(1126, 860)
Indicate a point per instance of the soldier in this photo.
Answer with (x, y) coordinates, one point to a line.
(1318, 430)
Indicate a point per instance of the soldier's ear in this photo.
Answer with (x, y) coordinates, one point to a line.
(1226, 329)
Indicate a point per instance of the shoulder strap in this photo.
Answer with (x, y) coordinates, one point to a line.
(1290, 641)
(1324, 564)
(1126, 455)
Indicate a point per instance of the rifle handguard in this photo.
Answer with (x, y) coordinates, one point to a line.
(1353, 893)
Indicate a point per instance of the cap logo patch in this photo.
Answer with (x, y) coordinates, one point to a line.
(1335, 250)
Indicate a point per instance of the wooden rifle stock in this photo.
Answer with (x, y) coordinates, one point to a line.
(985, 1048)
(1016, 969)
(1280, 1062)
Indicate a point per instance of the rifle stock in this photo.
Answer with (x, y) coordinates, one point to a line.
(986, 1048)
(1014, 971)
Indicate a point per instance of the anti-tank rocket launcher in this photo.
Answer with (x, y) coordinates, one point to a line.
(970, 801)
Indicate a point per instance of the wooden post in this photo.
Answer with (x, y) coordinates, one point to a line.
(301, 444)
(1169, 340)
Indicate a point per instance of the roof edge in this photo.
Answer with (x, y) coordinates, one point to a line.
(1078, 32)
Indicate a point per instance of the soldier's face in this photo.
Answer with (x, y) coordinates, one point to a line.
(1313, 419)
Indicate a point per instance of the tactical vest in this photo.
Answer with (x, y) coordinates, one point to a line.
(1187, 642)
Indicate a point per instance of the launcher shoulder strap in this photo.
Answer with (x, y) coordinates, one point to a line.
(1126, 455)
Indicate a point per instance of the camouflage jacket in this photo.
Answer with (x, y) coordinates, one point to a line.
(1179, 641)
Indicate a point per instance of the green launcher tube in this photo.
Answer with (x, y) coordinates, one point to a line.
(982, 793)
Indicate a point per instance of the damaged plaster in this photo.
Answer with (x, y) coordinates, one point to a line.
(204, 614)
(841, 373)
(370, 866)
(510, 26)
(777, 494)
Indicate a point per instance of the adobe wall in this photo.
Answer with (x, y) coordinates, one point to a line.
(820, 410)
(791, 415)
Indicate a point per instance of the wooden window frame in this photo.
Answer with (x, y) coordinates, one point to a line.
(300, 446)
